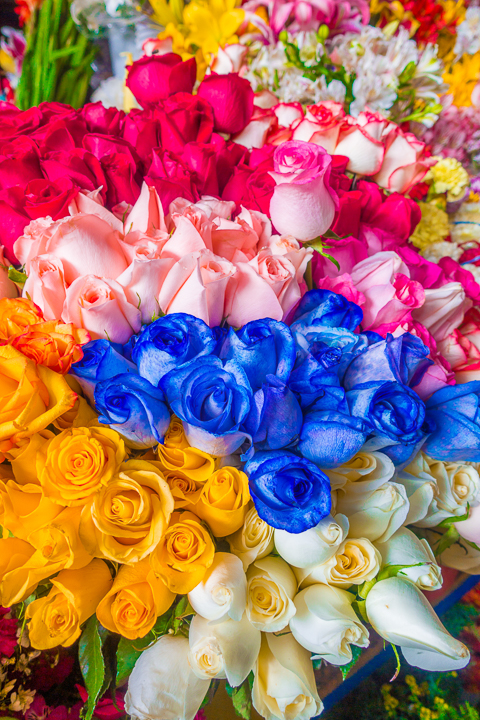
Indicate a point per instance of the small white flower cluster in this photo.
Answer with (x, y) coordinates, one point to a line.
(468, 34)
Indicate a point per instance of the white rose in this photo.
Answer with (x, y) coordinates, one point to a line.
(355, 561)
(458, 485)
(162, 685)
(253, 540)
(284, 687)
(223, 590)
(315, 545)
(271, 587)
(326, 624)
(463, 557)
(404, 549)
(227, 649)
(400, 613)
(367, 470)
(374, 514)
(421, 489)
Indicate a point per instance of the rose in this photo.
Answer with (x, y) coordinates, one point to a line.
(303, 203)
(253, 540)
(457, 486)
(360, 140)
(413, 557)
(223, 501)
(171, 177)
(52, 344)
(153, 78)
(8, 289)
(454, 410)
(355, 561)
(162, 681)
(126, 518)
(58, 540)
(321, 125)
(271, 587)
(231, 98)
(100, 361)
(323, 307)
(421, 489)
(222, 593)
(101, 119)
(56, 618)
(263, 124)
(213, 399)
(443, 309)
(13, 219)
(468, 528)
(75, 464)
(342, 285)
(348, 251)
(187, 119)
(375, 514)
(45, 285)
(184, 553)
(80, 165)
(289, 492)
(227, 649)
(401, 614)
(462, 556)
(44, 198)
(276, 417)
(404, 162)
(314, 546)
(21, 570)
(251, 187)
(195, 464)
(284, 685)
(365, 470)
(135, 600)
(134, 408)
(24, 508)
(16, 316)
(326, 624)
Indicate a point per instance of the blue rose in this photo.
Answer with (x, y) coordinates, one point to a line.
(403, 359)
(310, 380)
(330, 434)
(169, 342)
(275, 419)
(261, 347)
(101, 360)
(455, 411)
(213, 399)
(324, 307)
(289, 492)
(133, 407)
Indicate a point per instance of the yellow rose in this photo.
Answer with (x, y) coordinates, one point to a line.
(223, 502)
(175, 436)
(184, 553)
(195, 464)
(21, 569)
(126, 519)
(25, 508)
(24, 457)
(59, 541)
(31, 397)
(185, 491)
(56, 618)
(75, 464)
(134, 602)
(80, 415)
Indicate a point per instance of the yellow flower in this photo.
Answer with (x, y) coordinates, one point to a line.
(432, 228)
(25, 509)
(125, 520)
(134, 602)
(21, 569)
(462, 77)
(185, 491)
(59, 541)
(56, 618)
(195, 464)
(448, 176)
(223, 501)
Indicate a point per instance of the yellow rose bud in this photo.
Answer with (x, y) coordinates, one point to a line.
(31, 397)
(75, 464)
(195, 464)
(25, 508)
(59, 541)
(21, 569)
(175, 435)
(185, 491)
(126, 519)
(134, 602)
(56, 618)
(223, 502)
(184, 553)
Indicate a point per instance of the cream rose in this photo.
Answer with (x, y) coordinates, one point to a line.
(355, 562)
(314, 546)
(253, 541)
(367, 470)
(421, 489)
(404, 549)
(223, 590)
(271, 587)
(457, 484)
(374, 514)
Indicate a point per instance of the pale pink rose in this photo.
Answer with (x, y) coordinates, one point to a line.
(443, 310)
(360, 140)
(192, 233)
(143, 281)
(234, 240)
(197, 285)
(469, 529)
(101, 307)
(289, 115)
(322, 125)
(458, 350)
(229, 59)
(265, 99)
(303, 203)
(254, 135)
(404, 162)
(35, 235)
(212, 207)
(280, 244)
(8, 289)
(139, 246)
(342, 285)
(91, 204)
(259, 222)
(146, 215)
(45, 285)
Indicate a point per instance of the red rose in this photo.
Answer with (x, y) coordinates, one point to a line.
(15, 122)
(184, 118)
(19, 163)
(102, 145)
(44, 198)
(252, 188)
(171, 178)
(153, 78)
(55, 110)
(8, 633)
(121, 184)
(231, 98)
(142, 130)
(201, 159)
(81, 166)
(228, 156)
(13, 219)
(99, 119)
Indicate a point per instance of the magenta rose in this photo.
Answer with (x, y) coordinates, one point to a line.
(142, 130)
(171, 178)
(229, 157)
(153, 78)
(386, 222)
(184, 118)
(19, 163)
(303, 202)
(15, 122)
(201, 159)
(347, 251)
(13, 219)
(60, 135)
(231, 98)
(120, 175)
(100, 119)
(44, 198)
(427, 273)
(81, 166)
(454, 271)
(252, 188)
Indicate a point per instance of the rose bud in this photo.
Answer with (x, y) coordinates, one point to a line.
(231, 98)
(152, 79)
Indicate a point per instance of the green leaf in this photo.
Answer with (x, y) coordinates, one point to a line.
(356, 652)
(241, 699)
(92, 664)
(455, 518)
(17, 276)
(447, 540)
(392, 570)
(399, 664)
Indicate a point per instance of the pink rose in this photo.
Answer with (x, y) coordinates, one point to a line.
(192, 233)
(45, 285)
(101, 307)
(322, 125)
(347, 251)
(231, 98)
(427, 273)
(289, 115)
(360, 140)
(404, 163)
(152, 79)
(443, 309)
(470, 528)
(229, 59)
(254, 135)
(342, 285)
(235, 240)
(454, 271)
(142, 282)
(303, 203)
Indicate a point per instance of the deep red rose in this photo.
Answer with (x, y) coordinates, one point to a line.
(8, 633)
(347, 217)
(142, 130)
(252, 188)
(228, 156)
(13, 219)
(14, 122)
(120, 175)
(99, 119)
(339, 180)
(19, 163)
(44, 198)
(60, 135)
(105, 708)
(201, 159)
(153, 78)
(171, 177)
(231, 98)
(81, 166)
(102, 145)
(184, 118)
(51, 668)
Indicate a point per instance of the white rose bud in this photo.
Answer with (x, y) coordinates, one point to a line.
(458, 485)
(421, 489)
(271, 587)
(326, 624)
(315, 545)
(162, 684)
(406, 549)
(355, 561)
(227, 649)
(253, 541)
(223, 590)
(400, 613)
(463, 557)
(374, 514)
(367, 470)
(284, 687)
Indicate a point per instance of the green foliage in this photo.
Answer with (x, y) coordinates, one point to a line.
(345, 669)
(459, 617)
(241, 699)
(17, 276)
(92, 664)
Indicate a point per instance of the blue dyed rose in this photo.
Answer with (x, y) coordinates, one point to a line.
(289, 492)
(275, 419)
(133, 407)
(213, 399)
(324, 307)
(455, 412)
(101, 360)
(169, 342)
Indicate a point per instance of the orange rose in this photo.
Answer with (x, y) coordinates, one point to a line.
(16, 315)
(53, 344)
